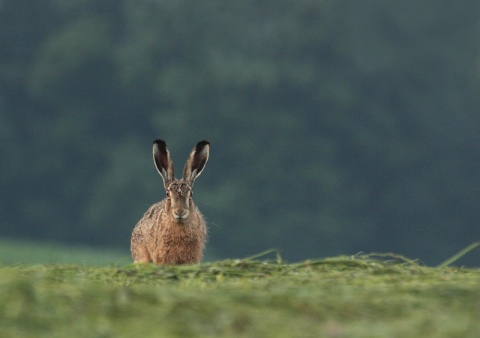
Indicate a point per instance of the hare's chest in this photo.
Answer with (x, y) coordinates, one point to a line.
(178, 246)
(178, 235)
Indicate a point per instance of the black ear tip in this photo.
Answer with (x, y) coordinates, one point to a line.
(159, 142)
(202, 144)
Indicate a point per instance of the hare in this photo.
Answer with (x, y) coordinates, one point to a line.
(173, 230)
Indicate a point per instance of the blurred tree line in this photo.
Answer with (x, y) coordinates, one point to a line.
(336, 126)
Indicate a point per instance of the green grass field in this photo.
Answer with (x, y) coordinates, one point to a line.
(24, 252)
(362, 296)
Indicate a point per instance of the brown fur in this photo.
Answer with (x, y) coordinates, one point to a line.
(172, 231)
(159, 239)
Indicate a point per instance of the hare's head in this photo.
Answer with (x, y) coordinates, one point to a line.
(179, 192)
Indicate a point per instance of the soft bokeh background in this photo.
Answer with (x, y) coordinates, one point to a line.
(336, 126)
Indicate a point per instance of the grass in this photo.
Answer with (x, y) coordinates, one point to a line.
(361, 296)
(25, 252)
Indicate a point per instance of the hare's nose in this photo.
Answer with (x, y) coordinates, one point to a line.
(180, 214)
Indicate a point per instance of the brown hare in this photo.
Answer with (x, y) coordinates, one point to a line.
(173, 230)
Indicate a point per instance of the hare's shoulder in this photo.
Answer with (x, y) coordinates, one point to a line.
(160, 205)
(152, 214)
(155, 209)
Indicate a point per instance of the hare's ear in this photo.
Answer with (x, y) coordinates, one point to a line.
(163, 162)
(196, 162)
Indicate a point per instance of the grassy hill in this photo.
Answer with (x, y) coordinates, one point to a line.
(362, 296)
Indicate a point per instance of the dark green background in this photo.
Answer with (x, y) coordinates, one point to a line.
(335, 126)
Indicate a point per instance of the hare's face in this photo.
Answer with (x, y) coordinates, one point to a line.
(179, 196)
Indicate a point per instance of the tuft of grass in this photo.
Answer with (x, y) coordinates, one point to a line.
(369, 295)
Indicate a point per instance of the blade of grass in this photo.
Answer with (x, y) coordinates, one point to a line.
(459, 255)
(264, 253)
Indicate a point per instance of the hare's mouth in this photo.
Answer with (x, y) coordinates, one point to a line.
(180, 217)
